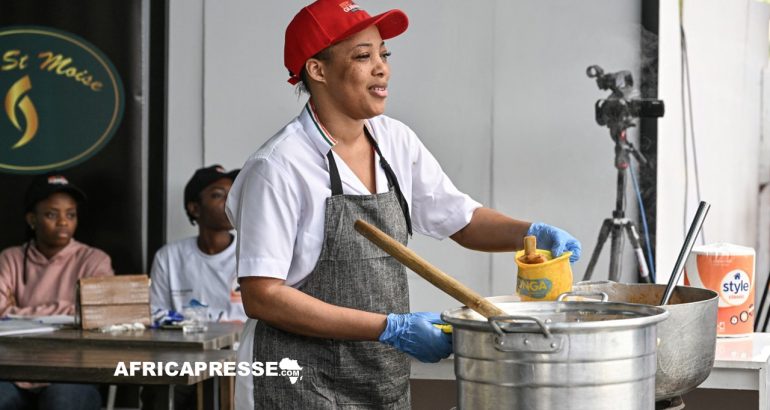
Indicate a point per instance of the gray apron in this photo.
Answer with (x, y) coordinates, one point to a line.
(350, 272)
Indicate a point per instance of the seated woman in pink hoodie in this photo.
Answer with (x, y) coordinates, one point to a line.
(38, 278)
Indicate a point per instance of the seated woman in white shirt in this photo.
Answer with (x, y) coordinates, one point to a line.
(200, 268)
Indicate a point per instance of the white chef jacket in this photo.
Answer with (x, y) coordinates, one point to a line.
(278, 202)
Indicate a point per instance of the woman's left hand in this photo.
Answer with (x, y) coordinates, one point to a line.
(555, 240)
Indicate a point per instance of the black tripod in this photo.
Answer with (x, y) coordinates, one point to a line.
(617, 113)
(618, 223)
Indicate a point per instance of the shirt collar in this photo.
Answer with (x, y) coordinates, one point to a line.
(318, 134)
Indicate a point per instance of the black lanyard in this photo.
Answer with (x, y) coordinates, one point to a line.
(336, 182)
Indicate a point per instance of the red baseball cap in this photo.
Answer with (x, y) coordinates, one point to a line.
(327, 22)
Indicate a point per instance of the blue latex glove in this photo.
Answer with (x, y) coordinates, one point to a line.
(555, 240)
(414, 333)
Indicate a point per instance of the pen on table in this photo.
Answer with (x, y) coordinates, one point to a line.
(220, 315)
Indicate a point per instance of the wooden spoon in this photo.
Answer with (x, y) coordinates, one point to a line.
(432, 274)
(530, 251)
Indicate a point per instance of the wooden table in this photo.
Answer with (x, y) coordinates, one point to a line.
(92, 357)
(98, 365)
(218, 336)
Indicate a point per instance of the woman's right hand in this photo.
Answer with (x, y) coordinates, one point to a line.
(555, 240)
(414, 333)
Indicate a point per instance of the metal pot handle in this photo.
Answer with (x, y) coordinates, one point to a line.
(493, 321)
(564, 295)
(524, 342)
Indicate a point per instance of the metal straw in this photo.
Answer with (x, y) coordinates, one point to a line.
(689, 241)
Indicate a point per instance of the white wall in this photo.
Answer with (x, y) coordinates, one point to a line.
(497, 91)
(552, 161)
(185, 117)
(247, 98)
(728, 49)
(763, 225)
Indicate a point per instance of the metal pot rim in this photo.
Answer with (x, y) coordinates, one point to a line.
(639, 316)
(702, 296)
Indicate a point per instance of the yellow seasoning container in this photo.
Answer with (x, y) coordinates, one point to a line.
(543, 281)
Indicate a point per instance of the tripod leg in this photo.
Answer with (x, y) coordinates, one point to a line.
(636, 243)
(603, 233)
(616, 251)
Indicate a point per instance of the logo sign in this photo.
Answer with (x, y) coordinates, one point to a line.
(735, 288)
(534, 288)
(290, 369)
(62, 99)
(285, 368)
(349, 6)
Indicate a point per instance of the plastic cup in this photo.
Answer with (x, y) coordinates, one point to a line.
(195, 319)
(543, 281)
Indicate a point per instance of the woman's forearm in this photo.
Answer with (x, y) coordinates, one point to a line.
(492, 231)
(286, 308)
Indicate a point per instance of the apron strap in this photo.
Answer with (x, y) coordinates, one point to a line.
(336, 182)
(392, 181)
(334, 175)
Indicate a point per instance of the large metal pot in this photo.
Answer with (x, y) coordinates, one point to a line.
(556, 355)
(687, 338)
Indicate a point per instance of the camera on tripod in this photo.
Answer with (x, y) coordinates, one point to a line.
(616, 111)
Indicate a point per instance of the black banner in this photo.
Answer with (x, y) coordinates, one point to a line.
(109, 174)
